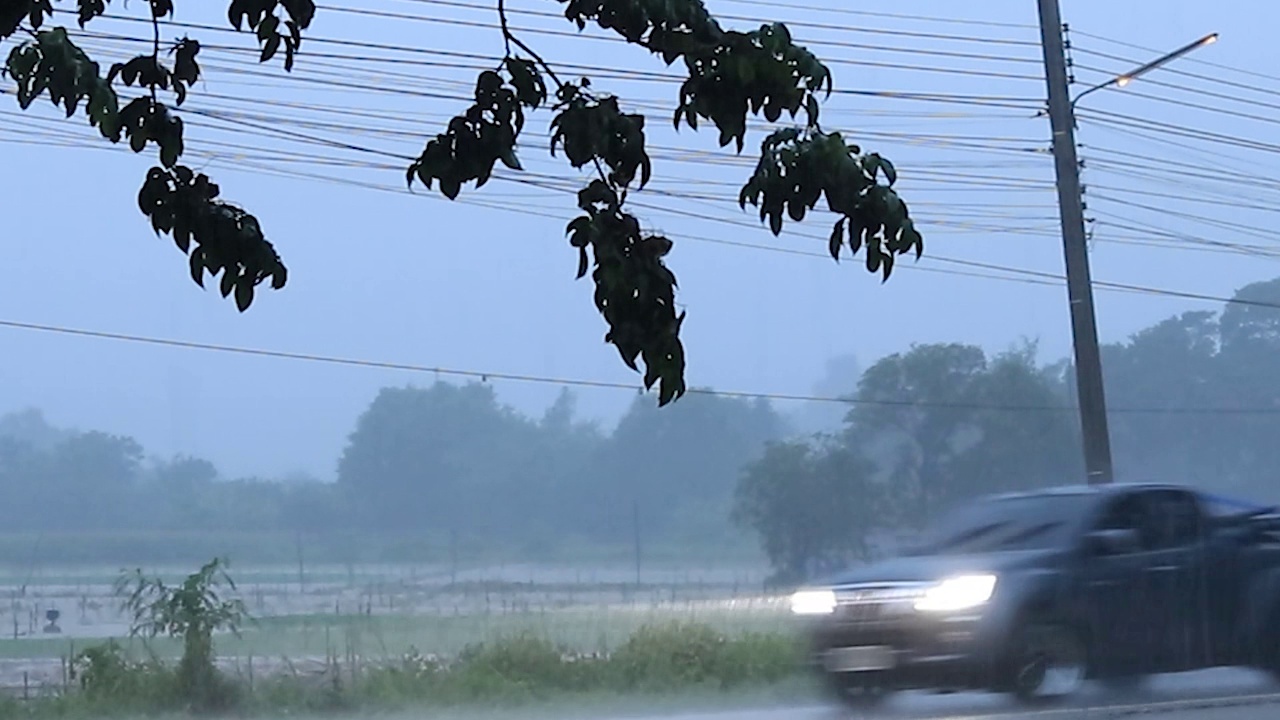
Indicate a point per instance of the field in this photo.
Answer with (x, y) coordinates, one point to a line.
(378, 614)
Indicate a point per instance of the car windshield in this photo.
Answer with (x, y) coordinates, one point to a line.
(1029, 522)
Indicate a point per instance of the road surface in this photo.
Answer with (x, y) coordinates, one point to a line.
(1209, 695)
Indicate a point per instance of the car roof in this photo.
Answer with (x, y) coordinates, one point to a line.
(1095, 490)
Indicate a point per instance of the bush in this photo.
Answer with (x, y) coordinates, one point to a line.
(109, 678)
(674, 655)
(510, 671)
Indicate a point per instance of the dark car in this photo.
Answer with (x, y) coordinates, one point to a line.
(1034, 593)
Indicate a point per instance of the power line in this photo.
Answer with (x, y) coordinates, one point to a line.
(392, 15)
(750, 19)
(1123, 287)
(1191, 59)
(836, 10)
(493, 25)
(485, 376)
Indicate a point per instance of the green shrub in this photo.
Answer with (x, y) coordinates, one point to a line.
(109, 678)
(678, 655)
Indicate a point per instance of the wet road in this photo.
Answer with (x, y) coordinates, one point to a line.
(1209, 695)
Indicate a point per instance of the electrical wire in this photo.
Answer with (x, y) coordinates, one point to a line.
(392, 15)
(486, 376)
(1046, 277)
(350, 146)
(494, 26)
(837, 10)
(1190, 59)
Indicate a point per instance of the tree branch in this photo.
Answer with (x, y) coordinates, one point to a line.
(510, 38)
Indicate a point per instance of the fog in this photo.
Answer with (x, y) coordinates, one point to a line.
(399, 278)
(443, 489)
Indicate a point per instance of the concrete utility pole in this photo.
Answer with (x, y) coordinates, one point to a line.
(1084, 329)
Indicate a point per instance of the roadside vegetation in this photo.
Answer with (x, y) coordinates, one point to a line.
(170, 663)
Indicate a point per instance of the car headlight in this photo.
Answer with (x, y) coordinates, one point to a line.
(813, 602)
(958, 593)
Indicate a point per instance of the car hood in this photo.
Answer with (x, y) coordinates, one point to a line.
(926, 568)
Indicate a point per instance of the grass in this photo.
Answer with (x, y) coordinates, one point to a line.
(296, 636)
(508, 640)
(525, 669)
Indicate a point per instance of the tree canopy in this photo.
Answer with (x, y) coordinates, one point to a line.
(733, 75)
(1193, 399)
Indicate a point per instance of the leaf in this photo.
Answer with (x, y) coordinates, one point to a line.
(269, 49)
(887, 266)
(228, 282)
(244, 293)
(509, 159)
(197, 266)
(583, 262)
(890, 172)
(811, 110)
(836, 240)
(450, 188)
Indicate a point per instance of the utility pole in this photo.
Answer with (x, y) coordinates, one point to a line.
(1084, 329)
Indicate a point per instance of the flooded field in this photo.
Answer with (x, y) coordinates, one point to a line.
(378, 613)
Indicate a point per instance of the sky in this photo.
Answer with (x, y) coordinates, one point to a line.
(1179, 175)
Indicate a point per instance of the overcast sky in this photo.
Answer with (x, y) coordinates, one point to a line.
(486, 284)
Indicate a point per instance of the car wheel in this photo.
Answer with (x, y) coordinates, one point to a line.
(856, 691)
(1047, 662)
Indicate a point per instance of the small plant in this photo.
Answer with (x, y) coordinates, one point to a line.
(670, 655)
(109, 677)
(193, 611)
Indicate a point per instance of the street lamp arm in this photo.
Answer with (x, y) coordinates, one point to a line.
(1113, 81)
(1125, 79)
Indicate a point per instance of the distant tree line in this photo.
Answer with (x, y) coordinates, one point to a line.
(1195, 398)
(422, 466)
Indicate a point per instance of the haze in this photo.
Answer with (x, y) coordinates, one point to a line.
(486, 285)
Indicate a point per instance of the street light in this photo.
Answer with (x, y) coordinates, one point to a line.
(1121, 81)
(1084, 329)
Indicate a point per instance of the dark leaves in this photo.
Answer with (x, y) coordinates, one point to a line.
(731, 74)
(146, 121)
(219, 237)
(798, 168)
(186, 71)
(760, 72)
(634, 290)
(484, 135)
(261, 17)
(51, 64)
(590, 130)
(531, 91)
(87, 10)
(11, 16)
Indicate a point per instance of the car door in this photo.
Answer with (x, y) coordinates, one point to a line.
(1176, 580)
(1113, 591)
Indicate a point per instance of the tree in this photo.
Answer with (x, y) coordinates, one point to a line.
(1248, 376)
(1170, 368)
(945, 424)
(732, 77)
(813, 506)
(91, 477)
(678, 467)
(434, 458)
(839, 380)
(29, 426)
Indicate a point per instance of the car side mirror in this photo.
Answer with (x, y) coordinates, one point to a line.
(1112, 542)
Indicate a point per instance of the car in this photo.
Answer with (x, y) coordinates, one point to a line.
(1036, 593)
